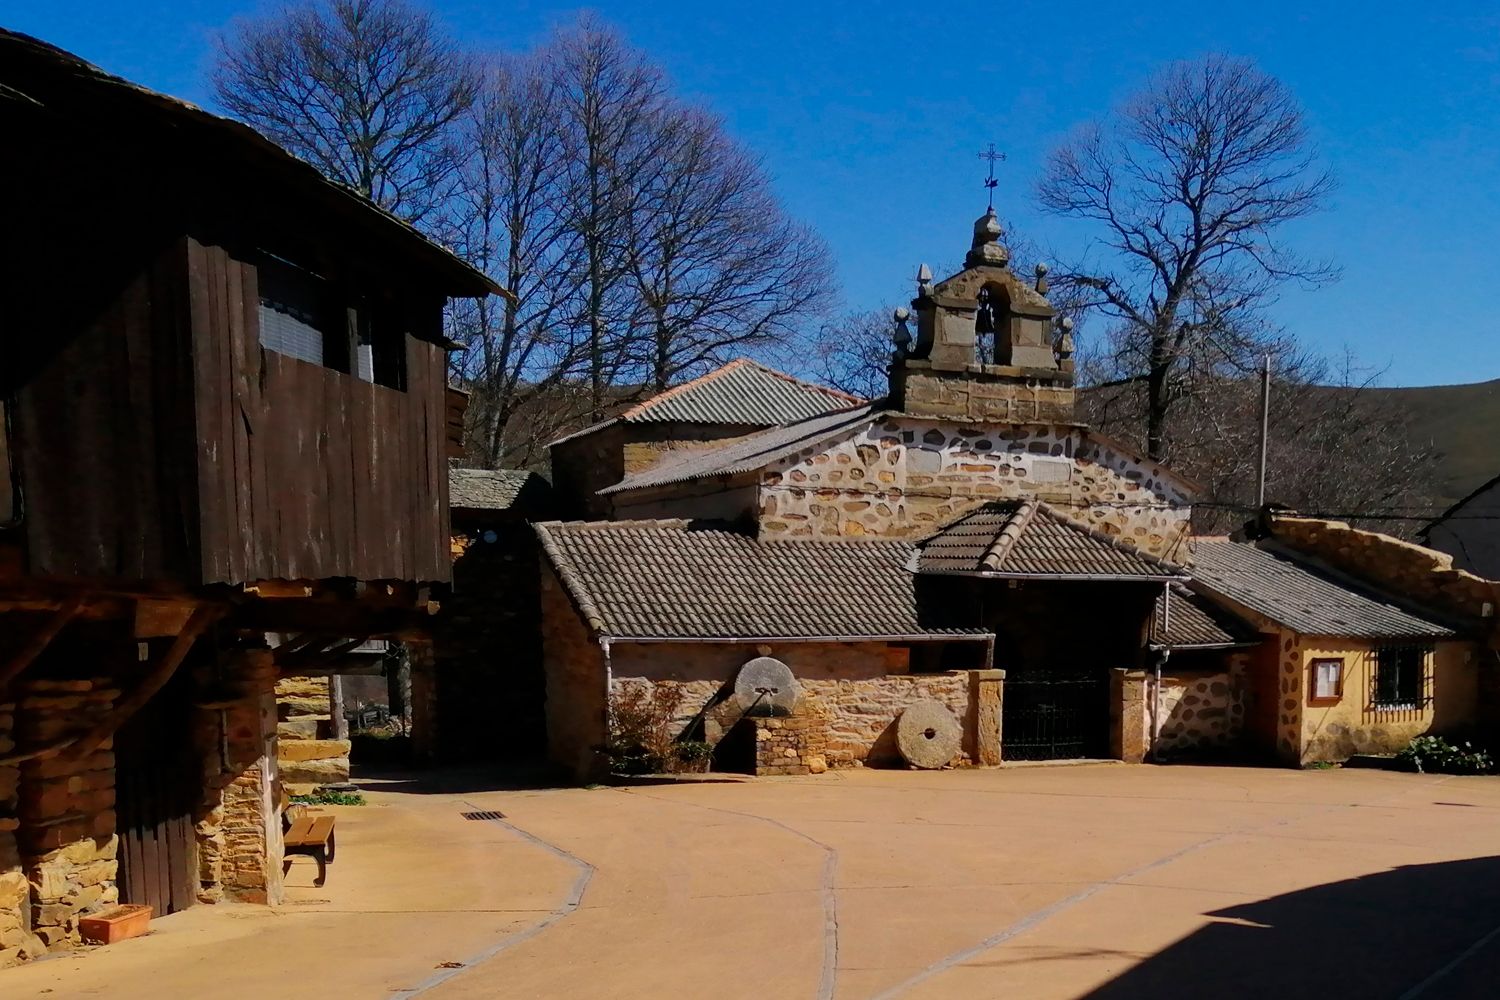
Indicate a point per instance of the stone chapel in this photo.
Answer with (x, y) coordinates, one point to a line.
(963, 546)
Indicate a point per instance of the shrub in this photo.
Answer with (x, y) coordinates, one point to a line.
(330, 799)
(1435, 755)
(641, 717)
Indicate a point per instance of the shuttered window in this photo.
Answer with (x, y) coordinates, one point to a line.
(294, 311)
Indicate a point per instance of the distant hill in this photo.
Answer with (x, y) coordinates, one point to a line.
(1462, 424)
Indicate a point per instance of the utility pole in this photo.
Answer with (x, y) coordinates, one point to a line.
(1265, 432)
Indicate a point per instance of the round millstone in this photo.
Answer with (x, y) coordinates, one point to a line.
(928, 735)
(765, 686)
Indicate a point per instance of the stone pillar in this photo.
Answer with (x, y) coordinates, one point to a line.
(310, 749)
(17, 943)
(239, 824)
(1129, 740)
(987, 694)
(789, 746)
(422, 702)
(66, 832)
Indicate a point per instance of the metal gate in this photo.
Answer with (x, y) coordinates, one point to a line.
(1055, 714)
(157, 786)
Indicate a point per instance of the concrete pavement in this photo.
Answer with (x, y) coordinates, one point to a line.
(1105, 881)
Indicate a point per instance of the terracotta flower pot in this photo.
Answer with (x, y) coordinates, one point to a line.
(116, 924)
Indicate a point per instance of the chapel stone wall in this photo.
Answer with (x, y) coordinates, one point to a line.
(906, 477)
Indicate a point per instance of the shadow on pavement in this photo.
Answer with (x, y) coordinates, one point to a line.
(495, 777)
(1420, 931)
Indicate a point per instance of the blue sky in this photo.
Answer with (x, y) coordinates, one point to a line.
(869, 117)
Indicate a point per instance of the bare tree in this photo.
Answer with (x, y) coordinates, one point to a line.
(1335, 446)
(1190, 184)
(366, 90)
(507, 217)
(852, 352)
(717, 265)
(613, 106)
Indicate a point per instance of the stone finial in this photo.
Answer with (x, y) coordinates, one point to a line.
(902, 335)
(987, 248)
(924, 281)
(1041, 278)
(1065, 338)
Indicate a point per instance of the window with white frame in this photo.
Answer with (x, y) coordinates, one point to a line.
(1327, 682)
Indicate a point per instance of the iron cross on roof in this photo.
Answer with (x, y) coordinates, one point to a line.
(993, 156)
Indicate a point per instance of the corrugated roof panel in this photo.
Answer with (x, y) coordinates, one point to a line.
(747, 453)
(741, 392)
(1300, 596)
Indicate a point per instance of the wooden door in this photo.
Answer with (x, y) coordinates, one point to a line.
(158, 785)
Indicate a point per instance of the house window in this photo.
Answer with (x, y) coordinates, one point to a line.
(298, 315)
(1402, 677)
(1327, 682)
(304, 316)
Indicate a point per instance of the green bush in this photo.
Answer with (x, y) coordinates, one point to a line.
(330, 799)
(1435, 755)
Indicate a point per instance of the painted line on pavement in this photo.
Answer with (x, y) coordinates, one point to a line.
(569, 905)
(828, 980)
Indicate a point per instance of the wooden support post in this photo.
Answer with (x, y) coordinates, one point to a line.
(203, 616)
(27, 655)
(336, 707)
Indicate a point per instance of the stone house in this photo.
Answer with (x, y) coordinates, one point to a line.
(729, 402)
(222, 384)
(915, 548)
(1370, 640)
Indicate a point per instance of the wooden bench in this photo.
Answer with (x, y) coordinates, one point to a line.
(310, 834)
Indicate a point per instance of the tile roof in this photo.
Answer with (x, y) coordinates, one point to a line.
(1299, 595)
(1195, 622)
(687, 579)
(749, 453)
(741, 392)
(489, 489)
(1033, 539)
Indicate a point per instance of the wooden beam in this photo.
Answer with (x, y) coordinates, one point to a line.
(202, 617)
(155, 618)
(28, 653)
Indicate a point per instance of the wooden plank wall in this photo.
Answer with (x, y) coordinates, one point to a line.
(306, 472)
(104, 421)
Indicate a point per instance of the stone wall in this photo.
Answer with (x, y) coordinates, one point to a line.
(17, 943)
(852, 694)
(1408, 570)
(1200, 710)
(1352, 725)
(66, 809)
(307, 754)
(792, 745)
(990, 393)
(907, 476)
(577, 713)
(239, 820)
